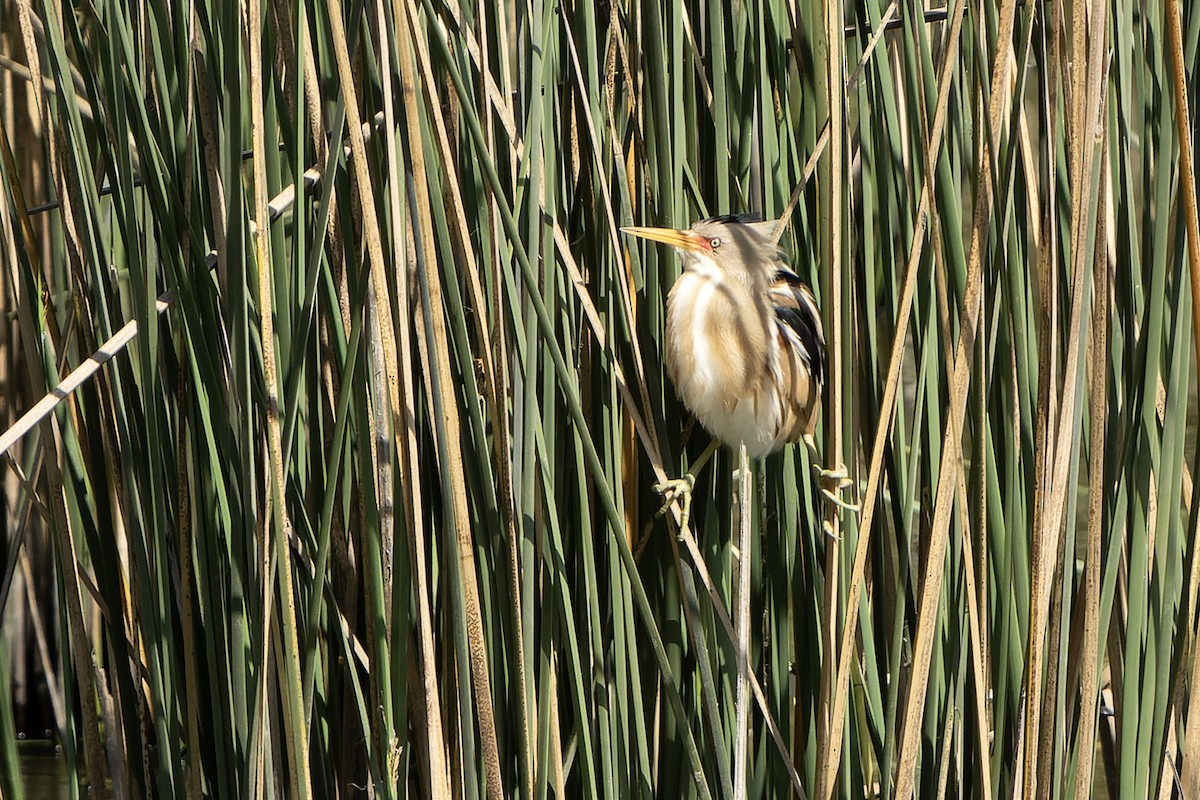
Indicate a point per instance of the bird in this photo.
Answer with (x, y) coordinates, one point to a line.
(744, 346)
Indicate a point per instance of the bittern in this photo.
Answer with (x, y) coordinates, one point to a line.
(745, 348)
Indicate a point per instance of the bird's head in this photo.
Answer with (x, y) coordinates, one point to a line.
(740, 247)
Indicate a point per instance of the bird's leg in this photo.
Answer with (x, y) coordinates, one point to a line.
(833, 481)
(681, 488)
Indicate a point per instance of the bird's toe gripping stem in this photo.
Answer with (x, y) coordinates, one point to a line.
(833, 482)
(677, 489)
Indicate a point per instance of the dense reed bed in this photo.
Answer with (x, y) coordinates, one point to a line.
(348, 400)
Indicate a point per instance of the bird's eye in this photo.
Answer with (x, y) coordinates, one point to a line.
(714, 242)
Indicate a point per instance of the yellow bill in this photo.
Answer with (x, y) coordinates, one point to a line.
(684, 240)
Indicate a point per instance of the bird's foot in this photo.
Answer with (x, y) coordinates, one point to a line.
(833, 482)
(677, 489)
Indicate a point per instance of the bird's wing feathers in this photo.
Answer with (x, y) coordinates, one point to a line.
(801, 364)
(797, 314)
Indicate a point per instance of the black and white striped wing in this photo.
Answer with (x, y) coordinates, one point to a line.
(801, 365)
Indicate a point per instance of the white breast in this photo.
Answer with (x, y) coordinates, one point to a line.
(710, 374)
